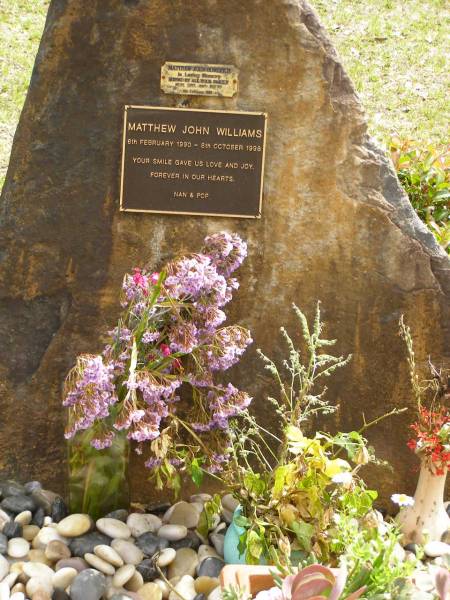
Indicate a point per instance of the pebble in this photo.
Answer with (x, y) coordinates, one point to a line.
(128, 551)
(88, 585)
(4, 591)
(120, 514)
(24, 518)
(163, 586)
(17, 596)
(185, 563)
(123, 574)
(185, 514)
(56, 550)
(218, 541)
(38, 517)
(45, 536)
(99, 564)
(198, 507)
(172, 532)
(109, 554)
(210, 566)
(434, 549)
(58, 510)
(229, 502)
(150, 543)
(191, 540)
(74, 525)
(148, 570)
(186, 589)
(216, 594)
(139, 523)
(3, 543)
(30, 486)
(205, 585)
(166, 557)
(48, 520)
(113, 528)
(18, 504)
(86, 543)
(79, 564)
(4, 518)
(64, 577)
(38, 556)
(30, 532)
(41, 594)
(204, 551)
(11, 488)
(36, 584)
(200, 498)
(135, 582)
(44, 499)
(18, 547)
(37, 570)
(12, 530)
(151, 591)
(19, 587)
(200, 597)
(446, 537)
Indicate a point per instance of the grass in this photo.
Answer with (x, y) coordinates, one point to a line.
(395, 52)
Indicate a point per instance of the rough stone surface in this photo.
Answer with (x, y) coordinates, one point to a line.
(335, 224)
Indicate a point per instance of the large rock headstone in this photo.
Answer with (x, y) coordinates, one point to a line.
(335, 224)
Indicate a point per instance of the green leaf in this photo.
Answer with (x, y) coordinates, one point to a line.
(254, 545)
(304, 532)
(196, 472)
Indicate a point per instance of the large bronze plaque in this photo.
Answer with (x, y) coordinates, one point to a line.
(196, 162)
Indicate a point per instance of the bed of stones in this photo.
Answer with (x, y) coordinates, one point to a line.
(47, 554)
(148, 553)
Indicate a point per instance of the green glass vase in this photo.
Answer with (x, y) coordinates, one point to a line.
(98, 479)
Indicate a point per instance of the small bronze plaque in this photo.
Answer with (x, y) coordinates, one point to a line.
(194, 162)
(197, 79)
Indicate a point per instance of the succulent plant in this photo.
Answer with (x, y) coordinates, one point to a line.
(315, 582)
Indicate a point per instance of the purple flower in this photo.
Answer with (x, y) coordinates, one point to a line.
(183, 337)
(150, 336)
(226, 250)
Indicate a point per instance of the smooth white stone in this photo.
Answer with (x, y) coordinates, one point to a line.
(4, 567)
(24, 518)
(17, 596)
(18, 547)
(140, 523)
(129, 553)
(184, 514)
(35, 569)
(172, 532)
(109, 554)
(218, 541)
(185, 563)
(164, 587)
(204, 551)
(45, 536)
(64, 577)
(11, 579)
(99, 564)
(200, 498)
(167, 514)
(198, 506)
(434, 549)
(30, 532)
(220, 527)
(123, 575)
(166, 557)
(4, 591)
(135, 582)
(114, 528)
(47, 520)
(186, 589)
(74, 525)
(38, 583)
(216, 594)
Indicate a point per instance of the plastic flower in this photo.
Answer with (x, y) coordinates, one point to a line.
(402, 500)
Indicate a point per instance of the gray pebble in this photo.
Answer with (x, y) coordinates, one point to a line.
(60, 595)
(150, 543)
(121, 515)
(11, 488)
(88, 585)
(30, 486)
(12, 530)
(200, 597)
(38, 517)
(3, 543)
(85, 544)
(211, 567)
(19, 503)
(148, 570)
(58, 510)
(190, 541)
(44, 499)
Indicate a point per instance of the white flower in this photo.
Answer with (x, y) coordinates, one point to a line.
(344, 478)
(402, 499)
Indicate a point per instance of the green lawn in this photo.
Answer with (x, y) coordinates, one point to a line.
(395, 52)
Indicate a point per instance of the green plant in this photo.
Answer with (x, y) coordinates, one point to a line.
(425, 174)
(289, 493)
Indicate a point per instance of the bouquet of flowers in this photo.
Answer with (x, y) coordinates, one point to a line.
(169, 343)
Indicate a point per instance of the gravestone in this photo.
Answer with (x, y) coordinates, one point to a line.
(335, 224)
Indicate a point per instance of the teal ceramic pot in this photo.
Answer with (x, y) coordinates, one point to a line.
(231, 542)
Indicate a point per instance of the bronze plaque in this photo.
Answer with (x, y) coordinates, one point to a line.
(194, 162)
(198, 79)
